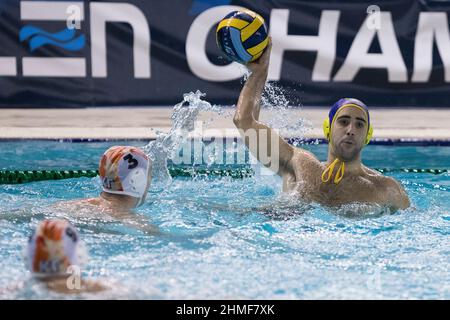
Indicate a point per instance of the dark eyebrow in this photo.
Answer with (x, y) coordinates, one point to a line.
(348, 117)
(361, 119)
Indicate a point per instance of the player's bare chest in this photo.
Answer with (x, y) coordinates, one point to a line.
(348, 190)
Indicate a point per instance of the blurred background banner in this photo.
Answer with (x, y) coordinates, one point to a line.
(148, 53)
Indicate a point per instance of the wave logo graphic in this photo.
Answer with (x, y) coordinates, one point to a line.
(64, 39)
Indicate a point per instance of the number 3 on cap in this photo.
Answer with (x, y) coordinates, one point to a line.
(132, 162)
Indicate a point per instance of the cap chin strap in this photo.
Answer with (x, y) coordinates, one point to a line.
(330, 168)
(135, 194)
(141, 201)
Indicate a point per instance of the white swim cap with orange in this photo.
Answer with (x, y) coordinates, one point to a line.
(124, 170)
(53, 247)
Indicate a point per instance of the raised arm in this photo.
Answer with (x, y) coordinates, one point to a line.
(263, 142)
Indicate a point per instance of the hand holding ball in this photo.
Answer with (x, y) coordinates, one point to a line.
(242, 36)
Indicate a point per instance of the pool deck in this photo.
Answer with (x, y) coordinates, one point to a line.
(143, 123)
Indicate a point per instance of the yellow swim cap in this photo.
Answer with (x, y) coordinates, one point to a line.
(342, 103)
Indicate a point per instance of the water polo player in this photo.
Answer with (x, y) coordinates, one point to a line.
(125, 174)
(342, 178)
(55, 255)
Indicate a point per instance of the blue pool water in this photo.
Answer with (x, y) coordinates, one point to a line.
(219, 242)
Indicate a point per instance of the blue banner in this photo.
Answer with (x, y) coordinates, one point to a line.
(146, 53)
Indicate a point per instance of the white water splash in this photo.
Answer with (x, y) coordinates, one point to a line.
(274, 98)
(184, 116)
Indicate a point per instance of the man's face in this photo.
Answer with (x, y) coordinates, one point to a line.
(348, 133)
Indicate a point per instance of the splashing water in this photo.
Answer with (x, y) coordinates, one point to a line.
(274, 98)
(186, 113)
(184, 116)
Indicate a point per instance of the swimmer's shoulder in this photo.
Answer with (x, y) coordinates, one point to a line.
(390, 184)
(372, 173)
(305, 160)
(95, 201)
(302, 166)
(379, 179)
(77, 202)
(93, 286)
(86, 285)
(394, 193)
